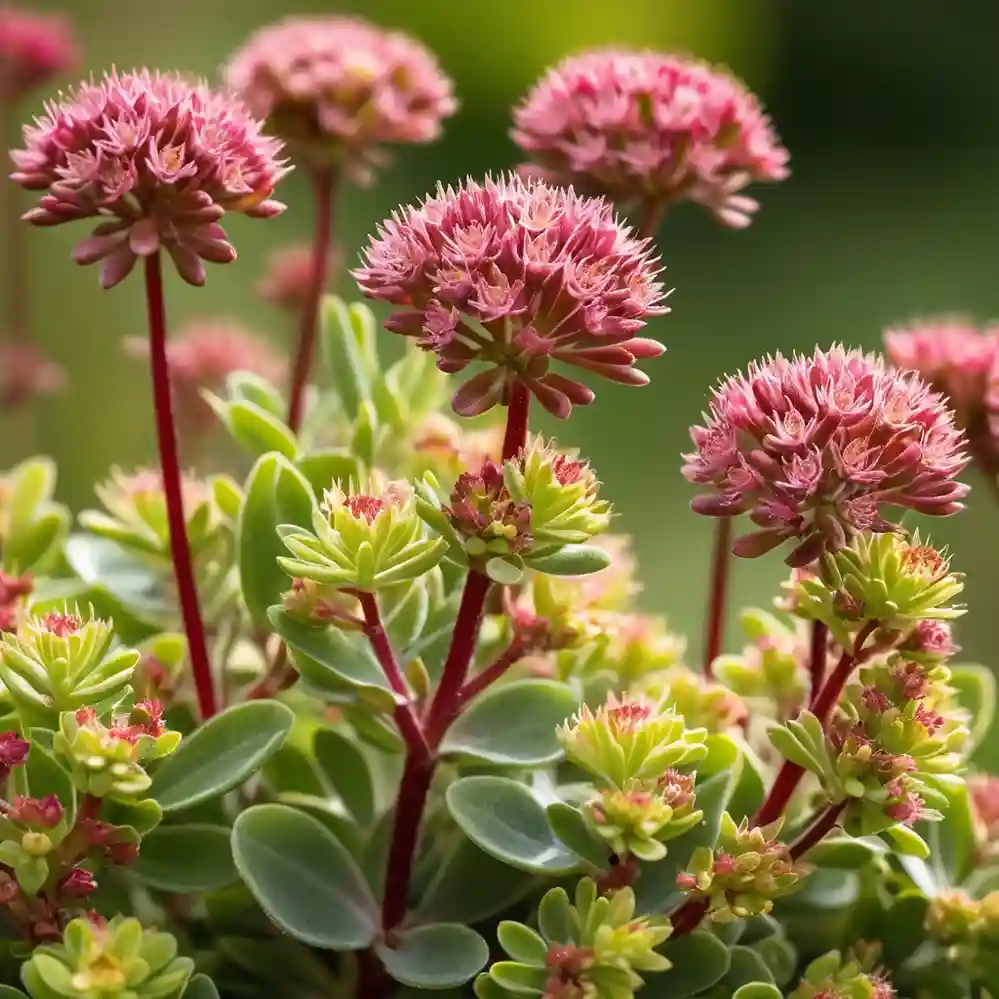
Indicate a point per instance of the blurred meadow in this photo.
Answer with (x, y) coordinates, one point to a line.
(887, 107)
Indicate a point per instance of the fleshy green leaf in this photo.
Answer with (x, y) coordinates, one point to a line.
(276, 493)
(303, 878)
(846, 853)
(758, 990)
(345, 359)
(9, 992)
(746, 966)
(186, 859)
(573, 560)
(571, 827)
(434, 956)
(699, 960)
(346, 768)
(323, 469)
(976, 693)
(513, 724)
(221, 754)
(201, 987)
(907, 841)
(47, 776)
(504, 819)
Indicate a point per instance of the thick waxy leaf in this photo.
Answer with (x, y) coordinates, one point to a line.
(323, 469)
(187, 859)
(224, 752)
(200, 987)
(847, 853)
(504, 818)
(746, 966)
(47, 776)
(303, 878)
(435, 956)
(513, 725)
(758, 990)
(346, 768)
(276, 493)
(9, 992)
(976, 692)
(573, 560)
(699, 960)
(570, 826)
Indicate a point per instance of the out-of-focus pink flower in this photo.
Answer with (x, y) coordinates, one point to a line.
(160, 159)
(286, 280)
(542, 274)
(26, 372)
(651, 128)
(202, 355)
(337, 88)
(34, 48)
(814, 448)
(984, 790)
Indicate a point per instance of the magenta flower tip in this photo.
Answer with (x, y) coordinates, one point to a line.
(337, 88)
(518, 274)
(34, 48)
(814, 448)
(651, 128)
(160, 159)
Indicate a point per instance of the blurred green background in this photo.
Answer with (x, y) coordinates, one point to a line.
(888, 108)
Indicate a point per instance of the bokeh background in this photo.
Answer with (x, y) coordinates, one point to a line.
(888, 108)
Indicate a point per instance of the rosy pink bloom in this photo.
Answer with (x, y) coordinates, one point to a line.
(518, 274)
(286, 280)
(984, 790)
(34, 48)
(651, 128)
(336, 88)
(202, 355)
(159, 159)
(814, 448)
(26, 372)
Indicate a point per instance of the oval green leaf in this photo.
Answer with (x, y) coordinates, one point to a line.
(699, 960)
(747, 967)
(187, 859)
(503, 818)
(221, 754)
(758, 990)
(570, 826)
(303, 878)
(345, 767)
(513, 725)
(201, 987)
(435, 956)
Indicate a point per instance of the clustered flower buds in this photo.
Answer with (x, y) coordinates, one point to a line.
(159, 159)
(830, 977)
(517, 274)
(653, 129)
(286, 280)
(700, 702)
(30, 829)
(954, 918)
(13, 590)
(13, 752)
(336, 89)
(363, 540)
(594, 947)
(815, 448)
(743, 875)
(26, 372)
(34, 48)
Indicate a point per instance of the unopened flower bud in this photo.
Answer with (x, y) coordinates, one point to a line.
(77, 883)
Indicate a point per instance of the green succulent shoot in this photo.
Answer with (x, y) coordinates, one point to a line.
(832, 977)
(107, 761)
(363, 540)
(63, 662)
(594, 943)
(879, 578)
(744, 874)
(107, 960)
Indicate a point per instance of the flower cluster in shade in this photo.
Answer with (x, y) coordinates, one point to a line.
(518, 275)
(26, 372)
(650, 128)
(336, 89)
(288, 275)
(961, 361)
(158, 160)
(34, 48)
(202, 355)
(815, 448)
(832, 977)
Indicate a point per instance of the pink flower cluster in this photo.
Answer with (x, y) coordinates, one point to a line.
(26, 372)
(814, 448)
(159, 159)
(961, 361)
(651, 128)
(286, 280)
(33, 49)
(518, 274)
(337, 88)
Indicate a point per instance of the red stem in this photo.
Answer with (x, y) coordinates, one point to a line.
(719, 588)
(652, 218)
(517, 416)
(780, 793)
(817, 657)
(324, 185)
(688, 917)
(824, 824)
(510, 655)
(166, 436)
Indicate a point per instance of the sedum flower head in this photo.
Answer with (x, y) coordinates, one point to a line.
(336, 89)
(955, 917)
(107, 960)
(517, 274)
(159, 160)
(830, 977)
(591, 947)
(699, 701)
(63, 661)
(363, 540)
(13, 753)
(288, 276)
(34, 48)
(652, 128)
(815, 448)
(882, 578)
(107, 761)
(748, 869)
(26, 372)
(642, 817)
(629, 740)
(31, 829)
(984, 789)
(14, 591)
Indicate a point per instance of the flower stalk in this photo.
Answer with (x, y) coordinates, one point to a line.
(718, 593)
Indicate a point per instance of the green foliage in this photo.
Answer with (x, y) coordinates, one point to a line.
(434, 955)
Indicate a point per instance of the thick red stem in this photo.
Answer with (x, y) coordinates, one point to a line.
(324, 184)
(719, 588)
(513, 652)
(817, 831)
(518, 413)
(166, 435)
(688, 917)
(817, 655)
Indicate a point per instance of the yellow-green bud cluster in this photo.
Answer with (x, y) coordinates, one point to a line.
(701, 702)
(832, 977)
